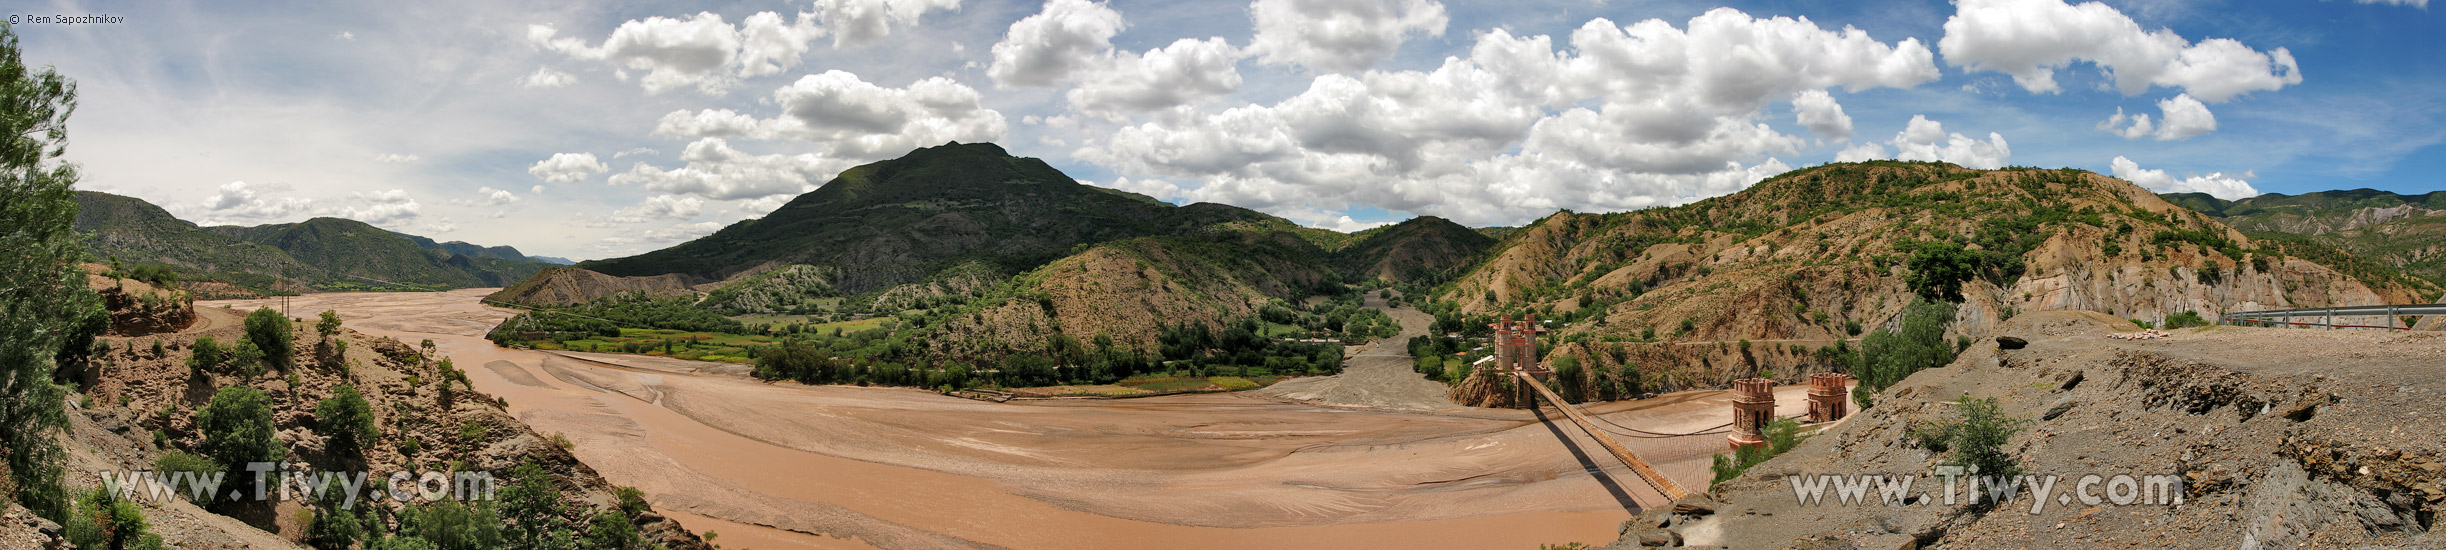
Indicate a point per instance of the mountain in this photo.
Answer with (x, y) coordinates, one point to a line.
(901, 221)
(1413, 250)
(321, 253)
(463, 248)
(2317, 213)
(1818, 254)
(563, 285)
(555, 260)
(2379, 230)
(133, 231)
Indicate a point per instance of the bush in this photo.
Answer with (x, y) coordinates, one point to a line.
(237, 427)
(329, 324)
(174, 465)
(2186, 319)
(205, 356)
(1782, 434)
(102, 520)
(346, 422)
(1887, 357)
(610, 530)
(1976, 438)
(270, 331)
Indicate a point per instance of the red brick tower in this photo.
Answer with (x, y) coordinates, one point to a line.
(1829, 398)
(1753, 407)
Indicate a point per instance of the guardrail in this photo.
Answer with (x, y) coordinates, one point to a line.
(2326, 316)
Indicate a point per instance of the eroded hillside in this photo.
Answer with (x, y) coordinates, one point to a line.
(1806, 254)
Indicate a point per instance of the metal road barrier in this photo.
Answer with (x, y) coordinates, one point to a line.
(2326, 316)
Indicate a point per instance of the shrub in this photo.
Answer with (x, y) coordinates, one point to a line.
(237, 428)
(1887, 357)
(175, 465)
(631, 500)
(205, 355)
(103, 520)
(1782, 434)
(2186, 319)
(269, 330)
(1976, 438)
(329, 324)
(610, 530)
(346, 422)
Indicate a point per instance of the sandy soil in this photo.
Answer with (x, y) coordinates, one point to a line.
(791, 466)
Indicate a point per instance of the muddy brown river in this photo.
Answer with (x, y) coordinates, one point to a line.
(777, 466)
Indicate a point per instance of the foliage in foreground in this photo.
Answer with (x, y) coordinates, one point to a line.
(1782, 434)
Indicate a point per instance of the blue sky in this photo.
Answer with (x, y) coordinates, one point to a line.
(590, 131)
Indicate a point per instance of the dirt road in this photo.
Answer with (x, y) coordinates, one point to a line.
(791, 466)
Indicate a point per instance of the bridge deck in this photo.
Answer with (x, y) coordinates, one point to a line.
(1658, 481)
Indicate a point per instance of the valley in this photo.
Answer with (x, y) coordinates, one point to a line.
(782, 465)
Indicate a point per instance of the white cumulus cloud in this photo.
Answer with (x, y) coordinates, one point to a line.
(852, 119)
(1927, 140)
(2216, 184)
(2182, 118)
(2032, 39)
(567, 168)
(716, 171)
(857, 22)
(1339, 35)
(1819, 112)
(1623, 118)
(545, 77)
(395, 158)
(703, 52)
(237, 201)
(1045, 48)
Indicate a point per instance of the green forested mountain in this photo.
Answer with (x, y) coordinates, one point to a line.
(2378, 230)
(902, 220)
(321, 253)
(1420, 248)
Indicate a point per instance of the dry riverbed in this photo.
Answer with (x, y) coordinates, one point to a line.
(790, 466)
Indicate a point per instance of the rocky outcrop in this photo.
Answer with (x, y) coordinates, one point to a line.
(2273, 443)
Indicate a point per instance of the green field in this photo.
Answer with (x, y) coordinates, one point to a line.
(694, 346)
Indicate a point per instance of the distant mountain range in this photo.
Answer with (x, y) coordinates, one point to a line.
(316, 254)
(993, 254)
(2402, 232)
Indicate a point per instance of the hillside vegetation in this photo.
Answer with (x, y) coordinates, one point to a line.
(1802, 262)
(2385, 235)
(317, 254)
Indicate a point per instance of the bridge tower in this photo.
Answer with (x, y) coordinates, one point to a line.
(1516, 351)
(1753, 407)
(1829, 398)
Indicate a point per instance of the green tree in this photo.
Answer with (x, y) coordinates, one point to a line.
(270, 331)
(1887, 356)
(44, 305)
(103, 521)
(333, 528)
(237, 427)
(1977, 437)
(205, 355)
(346, 422)
(329, 325)
(612, 531)
(1939, 268)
